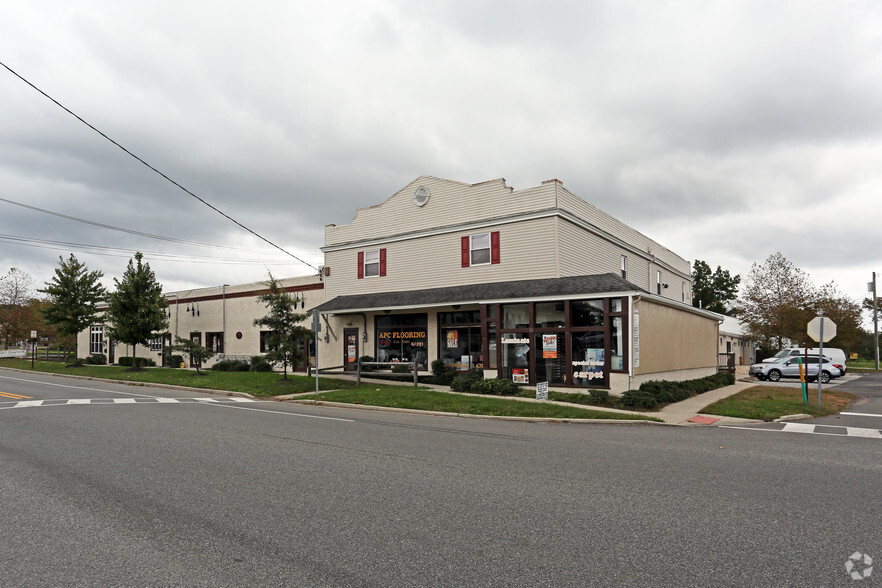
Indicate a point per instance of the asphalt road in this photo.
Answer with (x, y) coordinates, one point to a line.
(205, 491)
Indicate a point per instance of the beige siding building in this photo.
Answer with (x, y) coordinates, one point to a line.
(221, 318)
(534, 285)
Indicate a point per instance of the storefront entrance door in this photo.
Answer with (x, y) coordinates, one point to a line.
(350, 349)
(197, 339)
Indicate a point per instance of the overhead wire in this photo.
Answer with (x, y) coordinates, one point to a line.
(123, 252)
(155, 170)
(123, 230)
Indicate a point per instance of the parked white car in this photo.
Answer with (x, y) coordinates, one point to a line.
(788, 367)
(834, 353)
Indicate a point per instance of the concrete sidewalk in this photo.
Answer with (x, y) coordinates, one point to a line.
(686, 412)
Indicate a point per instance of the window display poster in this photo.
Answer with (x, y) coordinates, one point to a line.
(520, 376)
(549, 346)
(452, 339)
(350, 353)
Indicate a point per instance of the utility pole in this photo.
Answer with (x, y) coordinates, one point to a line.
(875, 320)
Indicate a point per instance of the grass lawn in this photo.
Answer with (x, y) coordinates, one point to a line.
(770, 402)
(335, 390)
(428, 399)
(255, 383)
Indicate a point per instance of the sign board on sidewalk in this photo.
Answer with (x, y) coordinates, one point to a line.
(542, 391)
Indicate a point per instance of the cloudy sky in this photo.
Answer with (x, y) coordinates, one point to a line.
(726, 131)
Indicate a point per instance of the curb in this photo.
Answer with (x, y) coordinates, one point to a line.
(142, 384)
(471, 416)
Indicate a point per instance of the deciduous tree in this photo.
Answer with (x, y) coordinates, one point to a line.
(16, 317)
(193, 350)
(136, 310)
(780, 299)
(74, 293)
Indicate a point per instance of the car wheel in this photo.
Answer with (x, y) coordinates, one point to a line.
(774, 375)
(825, 377)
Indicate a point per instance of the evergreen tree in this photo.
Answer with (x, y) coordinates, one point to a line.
(713, 290)
(74, 294)
(136, 310)
(285, 335)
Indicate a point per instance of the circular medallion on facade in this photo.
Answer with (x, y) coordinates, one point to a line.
(421, 196)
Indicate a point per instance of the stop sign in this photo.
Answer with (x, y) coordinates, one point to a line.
(814, 328)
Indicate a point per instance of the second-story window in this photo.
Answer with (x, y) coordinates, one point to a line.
(624, 267)
(658, 283)
(480, 249)
(371, 263)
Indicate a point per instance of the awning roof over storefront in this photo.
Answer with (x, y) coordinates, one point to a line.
(601, 284)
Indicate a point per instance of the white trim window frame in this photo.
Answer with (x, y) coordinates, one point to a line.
(479, 250)
(372, 263)
(96, 339)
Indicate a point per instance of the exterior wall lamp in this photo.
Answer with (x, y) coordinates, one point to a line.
(193, 308)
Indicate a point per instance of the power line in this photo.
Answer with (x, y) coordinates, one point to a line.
(130, 231)
(123, 252)
(79, 118)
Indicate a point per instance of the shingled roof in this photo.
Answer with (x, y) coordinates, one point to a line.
(475, 293)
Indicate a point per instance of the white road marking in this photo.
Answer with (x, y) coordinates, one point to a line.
(297, 414)
(861, 414)
(75, 387)
(815, 430)
(799, 428)
(109, 401)
(870, 433)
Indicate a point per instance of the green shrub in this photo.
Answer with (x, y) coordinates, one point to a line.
(639, 399)
(442, 374)
(495, 387)
(174, 361)
(666, 392)
(260, 364)
(126, 361)
(401, 369)
(231, 365)
(367, 368)
(598, 396)
(464, 381)
(96, 359)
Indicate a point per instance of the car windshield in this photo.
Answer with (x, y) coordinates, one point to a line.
(784, 353)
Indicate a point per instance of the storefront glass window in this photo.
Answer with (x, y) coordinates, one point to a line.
(588, 359)
(516, 316)
(516, 356)
(550, 315)
(402, 337)
(587, 313)
(618, 356)
(491, 344)
(615, 305)
(551, 357)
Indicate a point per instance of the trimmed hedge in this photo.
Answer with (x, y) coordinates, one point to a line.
(126, 361)
(96, 359)
(174, 361)
(655, 392)
(231, 365)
